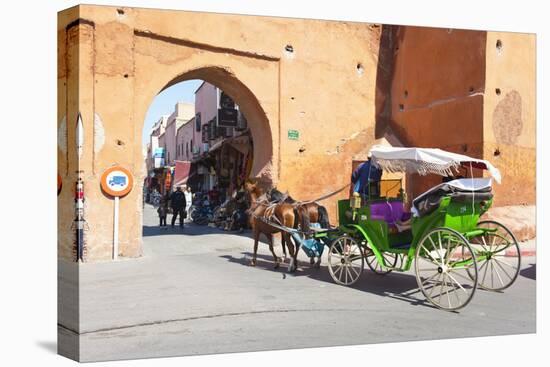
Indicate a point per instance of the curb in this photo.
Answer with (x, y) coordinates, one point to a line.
(524, 252)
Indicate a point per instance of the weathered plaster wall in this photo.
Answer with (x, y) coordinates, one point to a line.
(509, 115)
(312, 76)
(456, 90)
(432, 87)
(437, 92)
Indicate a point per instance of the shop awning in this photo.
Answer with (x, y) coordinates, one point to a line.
(182, 172)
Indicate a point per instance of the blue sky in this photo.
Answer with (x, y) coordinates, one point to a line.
(164, 103)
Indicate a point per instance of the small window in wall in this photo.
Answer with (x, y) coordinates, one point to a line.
(198, 122)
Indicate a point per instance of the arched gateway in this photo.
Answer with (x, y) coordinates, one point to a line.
(307, 89)
(115, 82)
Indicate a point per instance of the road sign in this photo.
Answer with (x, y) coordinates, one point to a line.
(117, 181)
(293, 134)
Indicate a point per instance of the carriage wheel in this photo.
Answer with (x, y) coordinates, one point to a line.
(389, 257)
(345, 260)
(501, 265)
(446, 269)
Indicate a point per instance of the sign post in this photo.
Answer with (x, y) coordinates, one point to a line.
(116, 181)
(115, 229)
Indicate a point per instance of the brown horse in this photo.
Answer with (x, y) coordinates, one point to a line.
(315, 213)
(283, 214)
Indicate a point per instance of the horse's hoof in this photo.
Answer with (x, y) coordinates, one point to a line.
(276, 266)
(252, 263)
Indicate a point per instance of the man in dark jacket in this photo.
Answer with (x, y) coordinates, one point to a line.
(177, 202)
(366, 180)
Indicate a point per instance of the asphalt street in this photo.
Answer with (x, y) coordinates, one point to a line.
(193, 292)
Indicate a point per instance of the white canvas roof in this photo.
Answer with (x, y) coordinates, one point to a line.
(426, 160)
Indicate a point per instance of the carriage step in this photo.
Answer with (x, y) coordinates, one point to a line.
(401, 246)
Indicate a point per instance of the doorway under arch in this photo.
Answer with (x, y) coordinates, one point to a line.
(263, 165)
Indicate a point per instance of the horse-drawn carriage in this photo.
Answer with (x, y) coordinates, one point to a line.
(453, 251)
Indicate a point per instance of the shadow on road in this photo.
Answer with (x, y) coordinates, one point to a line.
(530, 272)
(395, 285)
(191, 229)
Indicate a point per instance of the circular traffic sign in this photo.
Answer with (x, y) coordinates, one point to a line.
(117, 181)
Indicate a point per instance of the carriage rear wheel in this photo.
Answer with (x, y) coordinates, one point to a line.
(345, 260)
(500, 254)
(446, 269)
(373, 264)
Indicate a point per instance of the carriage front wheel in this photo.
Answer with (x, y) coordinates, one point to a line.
(446, 269)
(498, 256)
(345, 260)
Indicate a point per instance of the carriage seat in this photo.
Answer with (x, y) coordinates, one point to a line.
(463, 190)
(388, 211)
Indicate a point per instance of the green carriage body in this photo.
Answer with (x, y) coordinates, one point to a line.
(459, 215)
(445, 231)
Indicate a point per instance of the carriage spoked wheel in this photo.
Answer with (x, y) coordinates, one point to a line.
(498, 256)
(345, 260)
(446, 269)
(373, 264)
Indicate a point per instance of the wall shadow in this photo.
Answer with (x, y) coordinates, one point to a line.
(530, 272)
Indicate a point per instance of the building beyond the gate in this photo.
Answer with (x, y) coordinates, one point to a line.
(316, 94)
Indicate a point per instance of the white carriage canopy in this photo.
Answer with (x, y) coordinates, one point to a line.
(426, 160)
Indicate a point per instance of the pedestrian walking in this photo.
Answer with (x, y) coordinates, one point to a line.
(188, 200)
(178, 204)
(163, 213)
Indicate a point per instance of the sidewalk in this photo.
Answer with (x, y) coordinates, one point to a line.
(520, 219)
(527, 248)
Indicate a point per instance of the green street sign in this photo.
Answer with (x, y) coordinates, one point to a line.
(293, 134)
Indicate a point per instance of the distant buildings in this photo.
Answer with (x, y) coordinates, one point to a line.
(209, 141)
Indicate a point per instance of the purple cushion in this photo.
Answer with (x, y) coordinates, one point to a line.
(390, 212)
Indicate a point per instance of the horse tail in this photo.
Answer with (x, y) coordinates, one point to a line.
(323, 217)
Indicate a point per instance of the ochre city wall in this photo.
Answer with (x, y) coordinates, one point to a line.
(444, 89)
(431, 88)
(317, 77)
(437, 92)
(509, 126)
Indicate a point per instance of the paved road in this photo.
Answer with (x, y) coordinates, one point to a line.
(194, 293)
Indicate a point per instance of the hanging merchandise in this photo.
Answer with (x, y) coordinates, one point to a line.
(167, 180)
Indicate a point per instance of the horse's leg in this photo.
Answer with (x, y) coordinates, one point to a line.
(293, 252)
(270, 242)
(256, 238)
(283, 245)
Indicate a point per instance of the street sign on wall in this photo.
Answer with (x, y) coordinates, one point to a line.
(227, 117)
(117, 181)
(293, 134)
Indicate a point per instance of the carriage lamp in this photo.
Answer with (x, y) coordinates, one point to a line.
(355, 201)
